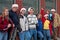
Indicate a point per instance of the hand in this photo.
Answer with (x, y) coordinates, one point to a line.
(42, 8)
(9, 25)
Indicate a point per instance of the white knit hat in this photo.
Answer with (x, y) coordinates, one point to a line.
(15, 5)
(53, 10)
(30, 8)
(45, 15)
(23, 9)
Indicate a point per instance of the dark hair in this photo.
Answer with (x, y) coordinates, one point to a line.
(32, 8)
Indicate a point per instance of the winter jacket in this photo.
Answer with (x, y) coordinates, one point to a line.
(56, 20)
(14, 17)
(23, 23)
(42, 13)
(50, 17)
(40, 25)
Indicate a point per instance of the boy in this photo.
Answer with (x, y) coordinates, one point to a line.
(24, 34)
(32, 21)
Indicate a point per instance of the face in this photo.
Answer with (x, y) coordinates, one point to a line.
(31, 11)
(6, 12)
(53, 12)
(46, 17)
(47, 12)
(14, 9)
(23, 12)
(39, 16)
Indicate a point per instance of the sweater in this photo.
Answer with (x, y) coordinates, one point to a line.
(32, 21)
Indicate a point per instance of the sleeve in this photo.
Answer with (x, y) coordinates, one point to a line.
(58, 19)
(36, 21)
(26, 24)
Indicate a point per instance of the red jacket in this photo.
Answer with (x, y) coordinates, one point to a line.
(42, 13)
(43, 20)
(4, 23)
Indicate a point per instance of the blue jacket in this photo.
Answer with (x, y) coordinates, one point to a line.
(14, 17)
(50, 17)
(40, 26)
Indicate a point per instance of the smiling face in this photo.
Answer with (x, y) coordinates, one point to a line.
(53, 12)
(46, 17)
(5, 12)
(14, 9)
(23, 12)
(47, 12)
(31, 11)
(39, 16)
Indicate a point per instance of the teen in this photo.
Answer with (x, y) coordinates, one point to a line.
(24, 34)
(32, 21)
(5, 24)
(55, 22)
(14, 17)
(40, 27)
(46, 30)
(50, 19)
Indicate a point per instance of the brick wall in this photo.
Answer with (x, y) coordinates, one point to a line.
(58, 6)
(19, 2)
(42, 3)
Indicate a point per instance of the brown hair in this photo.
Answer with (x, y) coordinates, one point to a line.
(39, 15)
(47, 10)
(3, 12)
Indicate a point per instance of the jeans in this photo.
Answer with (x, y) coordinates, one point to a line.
(40, 35)
(3, 36)
(33, 33)
(24, 35)
(47, 35)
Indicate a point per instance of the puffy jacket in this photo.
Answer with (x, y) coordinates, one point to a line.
(14, 17)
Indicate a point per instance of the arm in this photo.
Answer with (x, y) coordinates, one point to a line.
(26, 23)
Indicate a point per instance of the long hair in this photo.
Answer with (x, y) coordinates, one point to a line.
(3, 12)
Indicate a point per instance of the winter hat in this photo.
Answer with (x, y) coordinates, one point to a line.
(15, 5)
(45, 15)
(53, 10)
(23, 9)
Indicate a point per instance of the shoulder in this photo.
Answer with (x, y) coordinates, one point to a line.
(34, 15)
(25, 17)
(29, 16)
(47, 21)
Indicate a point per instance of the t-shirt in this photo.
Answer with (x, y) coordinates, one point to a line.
(46, 24)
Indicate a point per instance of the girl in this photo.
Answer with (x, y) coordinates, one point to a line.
(5, 24)
(40, 27)
(46, 30)
(24, 34)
